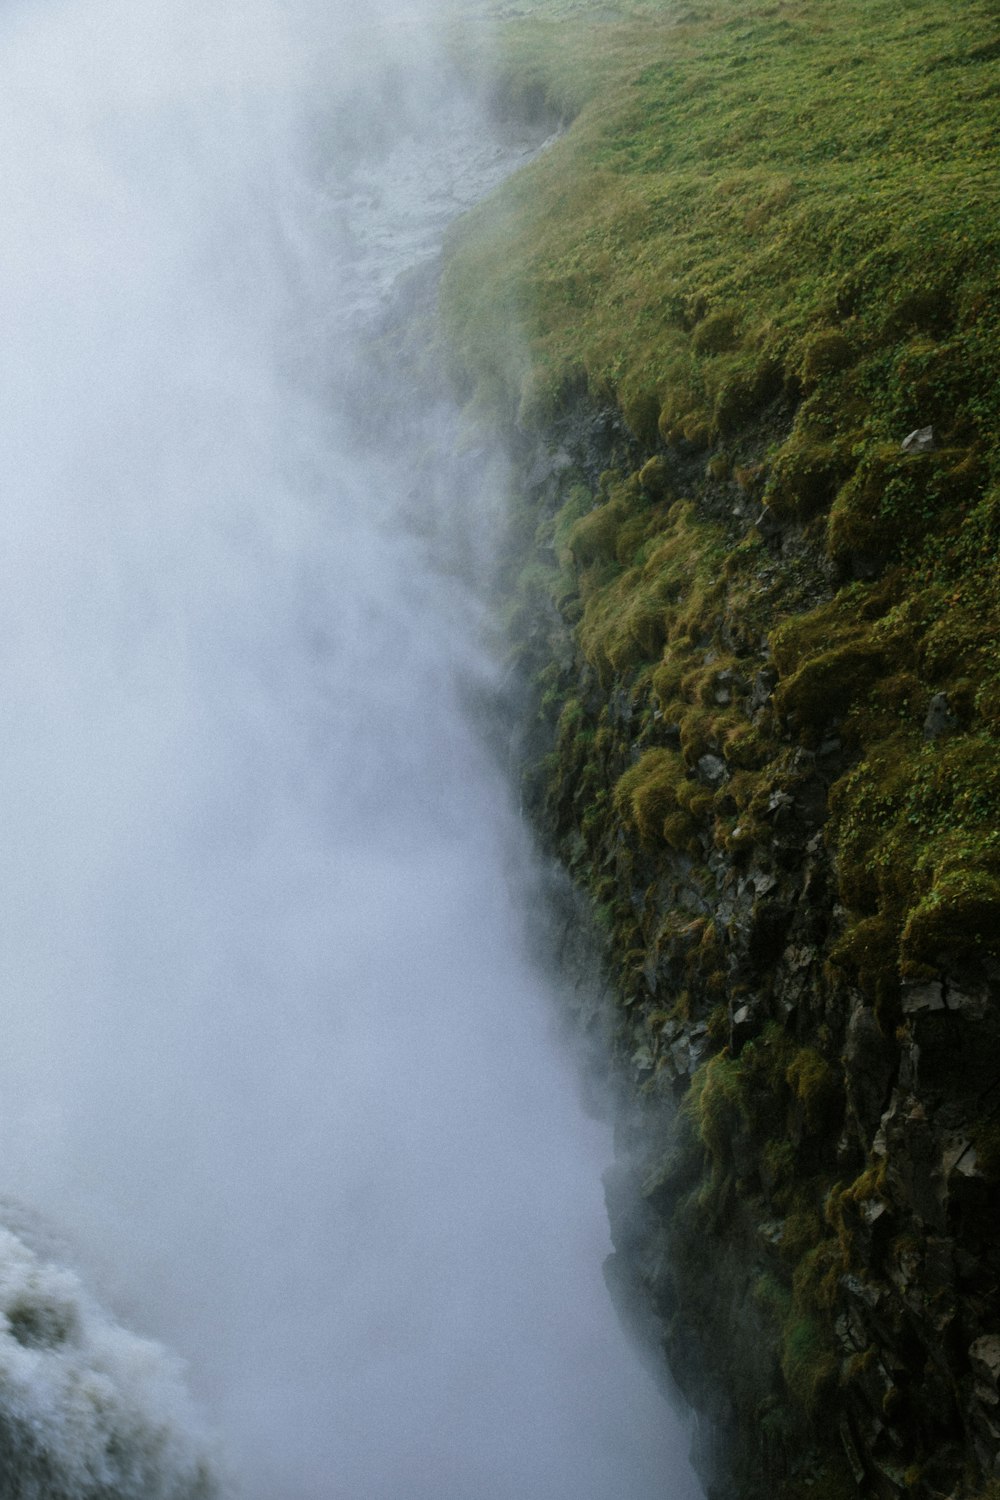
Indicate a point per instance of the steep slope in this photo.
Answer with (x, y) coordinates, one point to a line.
(741, 326)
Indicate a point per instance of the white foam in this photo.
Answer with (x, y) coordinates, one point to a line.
(88, 1408)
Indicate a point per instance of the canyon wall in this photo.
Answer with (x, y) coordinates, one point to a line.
(738, 330)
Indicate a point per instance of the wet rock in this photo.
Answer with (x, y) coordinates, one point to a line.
(868, 1068)
(811, 803)
(764, 685)
(642, 1061)
(914, 1165)
(851, 1452)
(728, 686)
(711, 770)
(984, 1357)
(958, 1155)
(974, 1005)
(940, 720)
(547, 465)
(688, 1051)
(769, 924)
(768, 525)
(742, 1026)
(922, 997)
(921, 440)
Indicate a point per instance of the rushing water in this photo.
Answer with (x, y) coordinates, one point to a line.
(275, 1058)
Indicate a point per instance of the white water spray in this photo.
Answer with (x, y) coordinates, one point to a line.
(274, 1054)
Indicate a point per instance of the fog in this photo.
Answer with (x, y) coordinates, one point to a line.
(280, 1078)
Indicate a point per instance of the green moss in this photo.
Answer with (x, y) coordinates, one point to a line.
(774, 284)
(805, 475)
(654, 476)
(593, 537)
(716, 1103)
(647, 794)
(716, 333)
(802, 1229)
(814, 1084)
(827, 684)
(960, 911)
(805, 209)
(807, 1361)
(824, 353)
(746, 390)
(917, 828)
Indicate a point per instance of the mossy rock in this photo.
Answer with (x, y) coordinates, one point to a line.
(959, 914)
(744, 393)
(716, 333)
(815, 1086)
(805, 476)
(654, 476)
(823, 353)
(927, 303)
(647, 794)
(593, 537)
(869, 950)
(895, 499)
(808, 1363)
(827, 685)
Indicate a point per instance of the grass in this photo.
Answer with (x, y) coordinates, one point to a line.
(803, 189)
(778, 219)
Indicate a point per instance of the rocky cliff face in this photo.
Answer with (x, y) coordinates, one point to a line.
(740, 325)
(806, 1196)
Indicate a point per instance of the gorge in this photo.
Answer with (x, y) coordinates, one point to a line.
(282, 1079)
(674, 517)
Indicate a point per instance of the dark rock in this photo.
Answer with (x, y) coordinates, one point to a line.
(921, 440)
(768, 525)
(914, 1165)
(851, 1451)
(922, 997)
(769, 924)
(764, 685)
(940, 720)
(984, 1357)
(811, 803)
(869, 1064)
(711, 770)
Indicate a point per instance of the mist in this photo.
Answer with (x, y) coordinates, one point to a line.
(281, 1081)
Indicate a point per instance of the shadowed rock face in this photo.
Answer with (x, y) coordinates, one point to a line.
(755, 622)
(805, 1208)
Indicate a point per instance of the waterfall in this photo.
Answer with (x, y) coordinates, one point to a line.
(280, 1080)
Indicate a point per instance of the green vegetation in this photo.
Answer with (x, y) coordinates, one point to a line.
(768, 241)
(771, 234)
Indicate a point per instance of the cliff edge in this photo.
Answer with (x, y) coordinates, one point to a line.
(741, 327)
